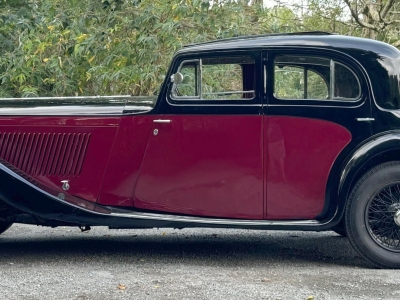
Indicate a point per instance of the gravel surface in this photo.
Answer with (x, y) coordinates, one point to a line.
(64, 263)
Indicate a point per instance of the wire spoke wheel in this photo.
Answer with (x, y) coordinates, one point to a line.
(382, 216)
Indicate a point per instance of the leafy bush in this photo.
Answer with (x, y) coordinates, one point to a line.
(94, 47)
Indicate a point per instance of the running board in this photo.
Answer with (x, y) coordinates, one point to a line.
(193, 221)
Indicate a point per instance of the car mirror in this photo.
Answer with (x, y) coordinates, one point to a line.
(177, 78)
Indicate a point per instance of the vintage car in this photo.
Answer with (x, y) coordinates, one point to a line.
(285, 132)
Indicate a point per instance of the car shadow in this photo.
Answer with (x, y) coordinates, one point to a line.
(191, 247)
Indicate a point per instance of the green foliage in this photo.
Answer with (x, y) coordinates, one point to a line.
(93, 47)
(58, 47)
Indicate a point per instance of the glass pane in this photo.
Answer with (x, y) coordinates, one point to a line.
(220, 78)
(223, 81)
(317, 88)
(187, 88)
(289, 82)
(346, 83)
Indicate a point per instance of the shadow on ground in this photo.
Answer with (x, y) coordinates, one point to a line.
(238, 248)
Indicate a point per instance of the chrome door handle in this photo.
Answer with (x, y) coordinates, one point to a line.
(162, 121)
(365, 119)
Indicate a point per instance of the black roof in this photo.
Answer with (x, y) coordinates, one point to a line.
(301, 39)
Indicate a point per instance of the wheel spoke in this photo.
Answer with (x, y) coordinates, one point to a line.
(380, 217)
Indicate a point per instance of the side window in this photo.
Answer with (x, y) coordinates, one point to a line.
(346, 83)
(188, 87)
(299, 83)
(313, 78)
(222, 78)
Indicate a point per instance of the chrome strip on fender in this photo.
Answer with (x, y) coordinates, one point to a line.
(66, 106)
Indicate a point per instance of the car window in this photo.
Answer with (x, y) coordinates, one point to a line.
(314, 78)
(346, 83)
(221, 78)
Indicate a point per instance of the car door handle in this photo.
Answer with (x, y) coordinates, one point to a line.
(365, 119)
(162, 121)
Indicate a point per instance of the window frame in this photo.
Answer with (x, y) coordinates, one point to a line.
(179, 60)
(272, 52)
(330, 85)
(198, 72)
(305, 79)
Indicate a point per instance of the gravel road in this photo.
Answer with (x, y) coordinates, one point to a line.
(64, 263)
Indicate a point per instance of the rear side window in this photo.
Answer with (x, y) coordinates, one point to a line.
(314, 78)
(222, 78)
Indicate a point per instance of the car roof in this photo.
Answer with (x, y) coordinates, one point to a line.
(300, 39)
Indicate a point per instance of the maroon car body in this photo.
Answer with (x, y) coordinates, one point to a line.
(296, 128)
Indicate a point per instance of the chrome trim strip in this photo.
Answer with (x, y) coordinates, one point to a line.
(213, 221)
(61, 111)
(69, 98)
(332, 81)
(200, 79)
(322, 106)
(365, 119)
(67, 106)
(221, 105)
(229, 93)
(162, 121)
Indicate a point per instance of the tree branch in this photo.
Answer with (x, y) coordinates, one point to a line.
(387, 8)
(374, 12)
(360, 22)
(396, 44)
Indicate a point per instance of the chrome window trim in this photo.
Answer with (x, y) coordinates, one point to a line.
(178, 98)
(331, 85)
(199, 98)
(359, 85)
(207, 104)
(199, 82)
(230, 92)
(332, 80)
(322, 106)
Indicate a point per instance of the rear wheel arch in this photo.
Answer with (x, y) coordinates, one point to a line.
(378, 150)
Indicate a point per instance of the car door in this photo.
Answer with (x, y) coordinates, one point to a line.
(317, 112)
(205, 154)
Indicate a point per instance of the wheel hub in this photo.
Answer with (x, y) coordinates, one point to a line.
(397, 218)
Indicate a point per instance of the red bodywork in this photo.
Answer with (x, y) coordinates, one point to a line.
(204, 165)
(300, 155)
(244, 166)
(40, 146)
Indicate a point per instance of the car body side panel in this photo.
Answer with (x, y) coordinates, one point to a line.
(52, 149)
(125, 160)
(300, 155)
(205, 165)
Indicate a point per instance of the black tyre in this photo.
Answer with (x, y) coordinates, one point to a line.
(372, 216)
(4, 226)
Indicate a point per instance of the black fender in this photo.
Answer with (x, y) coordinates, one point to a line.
(377, 150)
